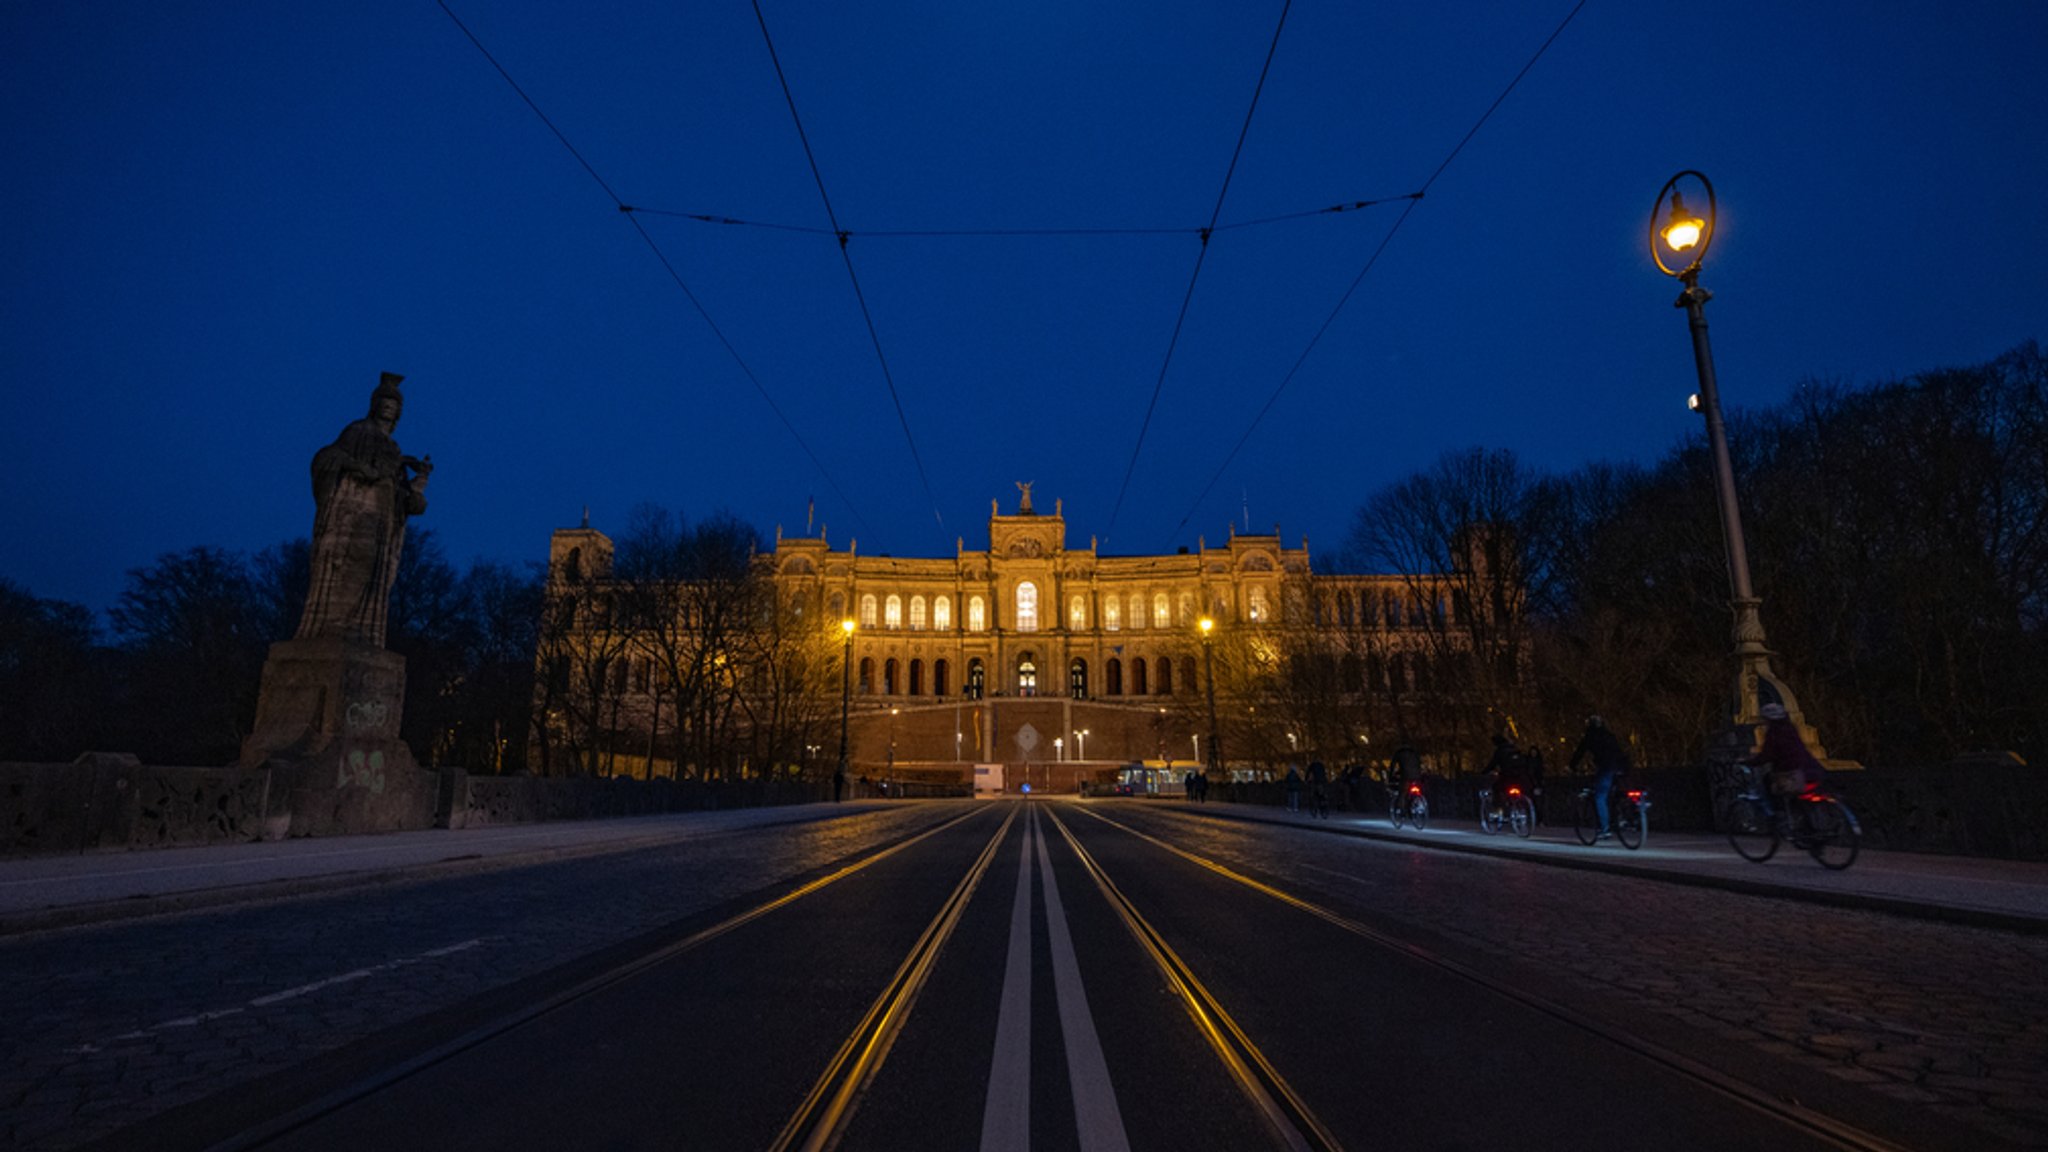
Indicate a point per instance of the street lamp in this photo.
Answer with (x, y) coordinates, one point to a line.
(1685, 236)
(1208, 625)
(1080, 743)
(845, 702)
(1058, 749)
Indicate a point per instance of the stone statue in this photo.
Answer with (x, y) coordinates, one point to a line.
(363, 491)
(1024, 509)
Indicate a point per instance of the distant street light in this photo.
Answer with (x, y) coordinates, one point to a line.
(845, 698)
(1686, 236)
(1208, 625)
(1080, 744)
(1058, 749)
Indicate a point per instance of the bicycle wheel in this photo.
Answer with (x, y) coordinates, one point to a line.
(1418, 812)
(1489, 816)
(1833, 836)
(1751, 831)
(1585, 821)
(1394, 809)
(1628, 823)
(1521, 815)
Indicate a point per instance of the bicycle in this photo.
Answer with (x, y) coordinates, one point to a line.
(1517, 812)
(1407, 800)
(1629, 808)
(1319, 802)
(1815, 820)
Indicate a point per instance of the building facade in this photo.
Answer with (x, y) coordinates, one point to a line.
(1057, 660)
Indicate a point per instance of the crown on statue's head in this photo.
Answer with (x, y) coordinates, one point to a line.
(387, 389)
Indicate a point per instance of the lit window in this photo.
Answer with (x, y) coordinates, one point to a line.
(1077, 614)
(1162, 612)
(1137, 610)
(867, 611)
(1258, 610)
(1027, 607)
(977, 614)
(1112, 616)
(942, 613)
(1187, 609)
(917, 614)
(894, 616)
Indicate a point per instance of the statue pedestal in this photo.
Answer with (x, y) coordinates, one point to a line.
(327, 728)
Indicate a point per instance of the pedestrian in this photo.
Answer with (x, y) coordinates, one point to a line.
(838, 784)
(1318, 789)
(1293, 784)
(1190, 788)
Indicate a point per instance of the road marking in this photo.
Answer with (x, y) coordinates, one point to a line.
(198, 1018)
(1006, 1117)
(1095, 1110)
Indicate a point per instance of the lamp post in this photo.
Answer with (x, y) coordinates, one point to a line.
(1059, 754)
(1685, 237)
(845, 702)
(1208, 625)
(1080, 743)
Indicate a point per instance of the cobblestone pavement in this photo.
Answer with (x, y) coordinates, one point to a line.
(108, 1025)
(1950, 1017)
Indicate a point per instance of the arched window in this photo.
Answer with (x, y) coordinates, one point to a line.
(1162, 612)
(867, 675)
(917, 677)
(889, 677)
(1027, 676)
(1258, 610)
(1138, 676)
(1187, 670)
(1112, 615)
(796, 605)
(1345, 613)
(977, 614)
(1137, 610)
(1027, 607)
(1113, 676)
(838, 606)
(1077, 679)
(1392, 604)
(1185, 613)
(976, 677)
(892, 612)
(917, 613)
(1077, 614)
(938, 677)
(942, 613)
(867, 610)
(1166, 675)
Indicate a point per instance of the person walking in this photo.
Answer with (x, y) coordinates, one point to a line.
(1318, 789)
(1293, 784)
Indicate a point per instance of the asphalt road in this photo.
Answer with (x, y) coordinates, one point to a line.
(1055, 975)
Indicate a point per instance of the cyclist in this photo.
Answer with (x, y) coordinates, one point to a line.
(1792, 767)
(1609, 759)
(1404, 769)
(1503, 769)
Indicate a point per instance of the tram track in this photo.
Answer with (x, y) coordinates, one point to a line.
(365, 1087)
(1811, 1122)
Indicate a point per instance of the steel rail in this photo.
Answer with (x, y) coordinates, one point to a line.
(820, 1121)
(376, 1082)
(1789, 1112)
(1269, 1092)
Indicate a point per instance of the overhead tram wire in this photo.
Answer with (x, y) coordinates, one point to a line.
(954, 233)
(1179, 321)
(1413, 200)
(859, 296)
(745, 369)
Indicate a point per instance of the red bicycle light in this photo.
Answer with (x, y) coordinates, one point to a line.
(1415, 789)
(1635, 797)
(1514, 791)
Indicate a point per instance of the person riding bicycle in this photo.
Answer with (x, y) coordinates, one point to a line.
(1503, 771)
(1609, 758)
(1792, 768)
(1318, 789)
(1403, 770)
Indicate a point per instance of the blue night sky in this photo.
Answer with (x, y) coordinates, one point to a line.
(224, 219)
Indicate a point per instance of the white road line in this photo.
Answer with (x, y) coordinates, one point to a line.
(1095, 1110)
(288, 994)
(1006, 1118)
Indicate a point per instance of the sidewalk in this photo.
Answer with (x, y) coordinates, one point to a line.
(2008, 894)
(38, 892)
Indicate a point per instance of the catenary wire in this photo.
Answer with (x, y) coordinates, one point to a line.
(1180, 321)
(667, 265)
(866, 316)
(1328, 320)
(950, 233)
